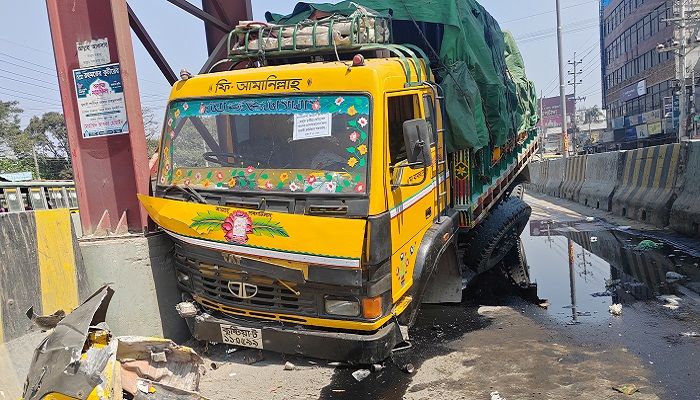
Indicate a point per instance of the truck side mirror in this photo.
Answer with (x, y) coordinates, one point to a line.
(416, 135)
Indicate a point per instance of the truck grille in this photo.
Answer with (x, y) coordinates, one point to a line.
(211, 282)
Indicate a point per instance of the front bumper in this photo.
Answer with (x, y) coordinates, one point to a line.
(357, 348)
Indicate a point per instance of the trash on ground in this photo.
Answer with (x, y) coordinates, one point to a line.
(544, 304)
(627, 388)
(496, 396)
(670, 301)
(360, 374)
(594, 239)
(81, 359)
(289, 366)
(377, 367)
(46, 322)
(648, 245)
(590, 219)
(672, 276)
(408, 368)
(615, 309)
(601, 294)
(690, 334)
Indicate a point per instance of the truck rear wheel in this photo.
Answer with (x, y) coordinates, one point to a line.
(497, 235)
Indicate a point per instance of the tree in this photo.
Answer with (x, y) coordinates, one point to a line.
(152, 130)
(49, 135)
(592, 114)
(10, 131)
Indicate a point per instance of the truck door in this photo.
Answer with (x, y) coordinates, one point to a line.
(410, 192)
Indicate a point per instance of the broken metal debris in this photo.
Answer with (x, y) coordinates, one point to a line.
(674, 276)
(615, 309)
(361, 374)
(81, 359)
(46, 322)
(627, 388)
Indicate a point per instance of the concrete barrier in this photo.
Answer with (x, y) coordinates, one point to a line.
(603, 172)
(555, 177)
(685, 213)
(40, 267)
(648, 185)
(536, 177)
(574, 173)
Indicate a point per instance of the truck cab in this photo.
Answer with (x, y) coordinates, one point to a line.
(313, 205)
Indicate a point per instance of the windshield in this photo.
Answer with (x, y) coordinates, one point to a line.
(306, 144)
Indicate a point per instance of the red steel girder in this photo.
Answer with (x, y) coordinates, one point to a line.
(111, 170)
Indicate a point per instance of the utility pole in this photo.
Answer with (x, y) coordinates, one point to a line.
(562, 86)
(575, 82)
(543, 132)
(681, 60)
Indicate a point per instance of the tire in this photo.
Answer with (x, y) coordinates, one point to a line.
(515, 266)
(489, 243)
(517, 191)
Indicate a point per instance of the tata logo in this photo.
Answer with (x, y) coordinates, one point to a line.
(242, 290)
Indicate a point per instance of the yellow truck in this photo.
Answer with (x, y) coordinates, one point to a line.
(312, 198)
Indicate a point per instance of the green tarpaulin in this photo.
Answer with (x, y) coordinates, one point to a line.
(488, 96)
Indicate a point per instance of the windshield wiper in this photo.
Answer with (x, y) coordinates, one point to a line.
(188, 190)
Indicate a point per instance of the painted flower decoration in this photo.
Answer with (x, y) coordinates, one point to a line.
(362, 149)
(316, 105)
(352, 111)
(202, 108)
(284, 176)
(268, 185)
(339, 101)
(206, 183)
(167, 167)
(250, 169)
(177, 113)
(352, 162)
(362, 121)
(170, 121)
(178, 173)
(311, 179)
(219, 175)
(185, 106)
(162, 179)
(172, 134)
(294, 187)
(360, 188)
(198, 176)
(186, 182)
(331, 186)
(232, 183)
(237, 226)
(354, 136)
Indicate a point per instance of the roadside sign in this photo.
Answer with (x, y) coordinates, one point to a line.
(101, 101)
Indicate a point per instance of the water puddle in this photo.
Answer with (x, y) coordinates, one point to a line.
(584, 267)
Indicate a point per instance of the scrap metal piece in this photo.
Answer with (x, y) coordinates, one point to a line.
(56, 363)
(45, 322)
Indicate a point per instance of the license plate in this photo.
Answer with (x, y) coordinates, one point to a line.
(237, 336)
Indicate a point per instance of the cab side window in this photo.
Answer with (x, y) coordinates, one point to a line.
(400, 109)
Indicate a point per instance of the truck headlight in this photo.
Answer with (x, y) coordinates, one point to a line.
(344, 307)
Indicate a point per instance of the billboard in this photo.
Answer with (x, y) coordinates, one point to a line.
(551, 111)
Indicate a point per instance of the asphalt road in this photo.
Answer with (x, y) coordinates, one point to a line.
(499, 342)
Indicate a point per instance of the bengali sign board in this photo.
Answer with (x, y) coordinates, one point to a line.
(101, 101)
(93, 52)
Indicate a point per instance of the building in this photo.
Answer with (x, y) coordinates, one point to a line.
(639, 81)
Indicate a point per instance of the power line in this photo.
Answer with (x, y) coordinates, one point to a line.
(548, 12)
(25, 93)
(28, 83)
(52, 69)
(26, 76)
(28, 99)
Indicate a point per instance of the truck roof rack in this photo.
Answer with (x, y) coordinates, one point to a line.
(334, 36)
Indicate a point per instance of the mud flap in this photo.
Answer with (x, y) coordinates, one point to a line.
(445, 284)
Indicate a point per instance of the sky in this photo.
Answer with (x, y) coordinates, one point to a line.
(28, 74)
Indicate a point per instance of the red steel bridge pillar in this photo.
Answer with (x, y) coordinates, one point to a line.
(110, 169)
